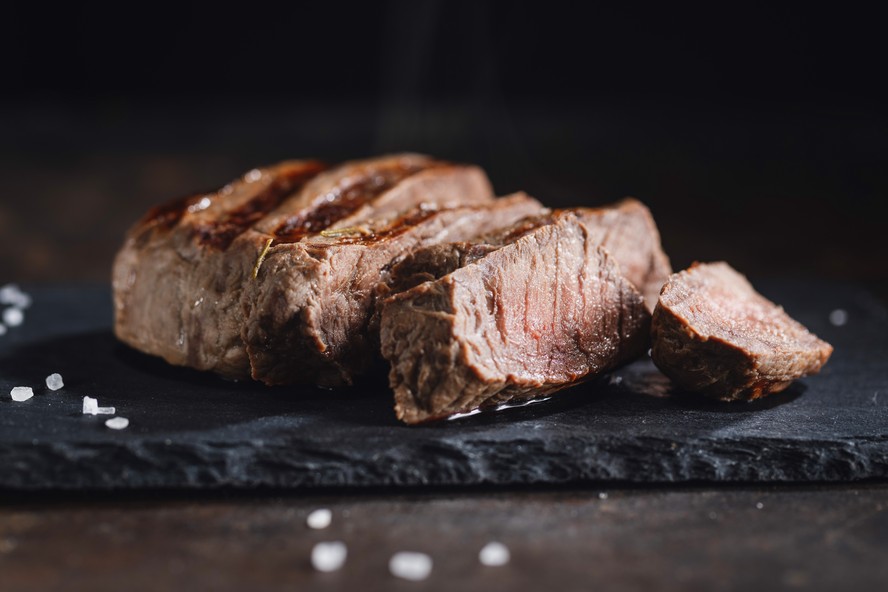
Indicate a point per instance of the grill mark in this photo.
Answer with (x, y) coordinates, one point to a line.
(168, 214)
(342, 202)
(220, 233)
(396, 228)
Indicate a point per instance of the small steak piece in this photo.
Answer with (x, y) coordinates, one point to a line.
(524, 319)
(626, 230)
(714, 334)
(179, 280)
(310, 307)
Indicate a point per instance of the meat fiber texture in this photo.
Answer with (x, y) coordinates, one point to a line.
(199, 282)
(626, 230)
(714, 334)
(525, 319)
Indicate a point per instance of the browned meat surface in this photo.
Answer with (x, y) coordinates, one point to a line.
(626, 230)
(179, 279)
(531, 316)
(714, 334)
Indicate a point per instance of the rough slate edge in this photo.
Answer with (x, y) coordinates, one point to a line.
(548, 443)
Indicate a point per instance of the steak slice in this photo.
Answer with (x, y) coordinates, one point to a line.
(523, 319)
(626, 230)
(309, 309)
(714, 334)
(179, 278)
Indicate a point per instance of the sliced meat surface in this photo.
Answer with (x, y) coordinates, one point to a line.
(714, 334)
(516, 320)
(179, 279)
(310, 306)
(626, 230)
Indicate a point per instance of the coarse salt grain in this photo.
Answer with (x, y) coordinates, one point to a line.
(409, 565)
(494, 554)
(54, 382)
(21, 393)
(319, 519)
(329, 556)
(13, 317)
(838, 317)
(117, 423)
(91, 407)
(12, 295)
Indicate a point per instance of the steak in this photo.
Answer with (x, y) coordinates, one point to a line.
(714, 334)
(538, 308)
(309, 310)
(179, 281)
(626, 230)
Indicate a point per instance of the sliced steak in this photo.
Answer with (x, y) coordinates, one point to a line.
(523, 319)
(714, 334)
(179, 278)
(311, 303)
(626, 230)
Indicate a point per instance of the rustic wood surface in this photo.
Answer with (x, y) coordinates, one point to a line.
(787, 538)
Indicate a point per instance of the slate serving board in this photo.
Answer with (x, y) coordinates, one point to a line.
(191, 430)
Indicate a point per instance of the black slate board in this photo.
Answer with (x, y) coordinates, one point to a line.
(191, 430)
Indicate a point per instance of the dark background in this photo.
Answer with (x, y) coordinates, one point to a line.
(756, 134)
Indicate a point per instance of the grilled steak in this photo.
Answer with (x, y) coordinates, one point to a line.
(714, 334)
(309, 309)
(537, 309)
(626, 230)
(179, 279)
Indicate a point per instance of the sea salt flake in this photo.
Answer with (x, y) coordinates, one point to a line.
(12, 295)
(329, 556)
(91, 407)
(13, 317)
(21, 393)
(319, 519)
(602, 495)
(838, 317)
(494, 554)
(54, 382)
(117, 423)
(253, 175)
(410, 565)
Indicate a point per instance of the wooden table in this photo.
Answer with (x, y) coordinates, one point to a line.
(763, 538)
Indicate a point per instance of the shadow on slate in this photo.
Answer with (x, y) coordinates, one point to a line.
(192, 430)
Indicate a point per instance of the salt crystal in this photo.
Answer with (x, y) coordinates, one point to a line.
(12, 295)
(409, 565)
(602, 495)
(253, 175)
(494, 554)
(838, 317)
(117, 423)
(91, 407)
(13, 317)
(21, 393)
(54, 382)
(329, 556)
(759, 505)
(320, 519)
